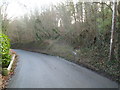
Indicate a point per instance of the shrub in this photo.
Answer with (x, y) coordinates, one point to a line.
(5, 57)
(5, 72)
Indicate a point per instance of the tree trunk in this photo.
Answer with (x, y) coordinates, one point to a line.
(111, 54)
(119, 30)
(0, 21)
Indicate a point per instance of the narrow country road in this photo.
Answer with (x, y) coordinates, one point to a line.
(35, 70)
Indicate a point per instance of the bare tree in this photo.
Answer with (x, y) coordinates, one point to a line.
(111, 54)
(119, 30)
(0, 20)
(4, 16)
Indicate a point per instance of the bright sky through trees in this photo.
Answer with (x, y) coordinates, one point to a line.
(18, 8)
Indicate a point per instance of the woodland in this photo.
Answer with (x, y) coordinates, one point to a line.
(79, 32)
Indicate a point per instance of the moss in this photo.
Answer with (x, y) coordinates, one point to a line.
(5, 72)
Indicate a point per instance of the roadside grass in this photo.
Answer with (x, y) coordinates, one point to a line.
(6, 77)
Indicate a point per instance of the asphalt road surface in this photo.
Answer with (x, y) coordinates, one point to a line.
(35, 70)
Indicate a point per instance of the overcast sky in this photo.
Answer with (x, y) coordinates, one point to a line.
(18, 8)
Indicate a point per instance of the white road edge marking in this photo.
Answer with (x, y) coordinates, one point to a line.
(10, 65)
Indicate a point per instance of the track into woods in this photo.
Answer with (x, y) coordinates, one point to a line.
(35, 70)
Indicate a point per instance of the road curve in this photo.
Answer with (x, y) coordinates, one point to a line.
(35, 70)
